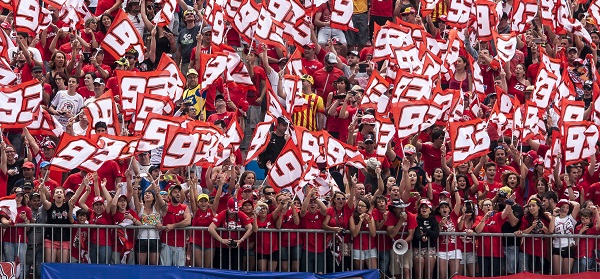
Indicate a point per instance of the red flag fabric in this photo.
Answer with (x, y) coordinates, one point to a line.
(20, 104)
(103, 109)
(580, 140)
(468, 140)
(122, 36)
(288, 167)
(260, 140)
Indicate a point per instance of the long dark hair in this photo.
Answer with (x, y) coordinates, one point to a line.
(101, 26)
(418, 185)
(467, 190)
(355, 214)
(529, 217)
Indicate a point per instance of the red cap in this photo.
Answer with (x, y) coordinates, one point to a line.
(49, 144)
(231, 205)
(247, 187)
(241, 203)
(366, 52)
(29, 165)
(532, 154)
(538, 161)
(310, 45)
(98, 199)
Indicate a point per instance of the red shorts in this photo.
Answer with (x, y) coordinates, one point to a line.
(57, 245)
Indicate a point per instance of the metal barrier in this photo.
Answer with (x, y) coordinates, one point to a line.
(483, 254)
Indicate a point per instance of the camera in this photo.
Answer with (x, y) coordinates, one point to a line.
(232, 243)
(469, 207)
(502, 194)
(539, 225)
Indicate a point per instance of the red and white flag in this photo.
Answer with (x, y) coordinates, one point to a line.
(30, 17)
(212, 67)
(164, 16)
(260, 140)
(341, 15)
(579, 140)
(459, 12)
(46, 125)
(122, 36)
(294, 64)
(486, 19)
(269, 31)
(20, 104)
(176, 81)
(155, 83)
(154, 133)
(149, 103)
(103, 109)
(427, 6)
(288, 167)
(110, 148)
(244, 17)
(72, 151)
(468, 140)
(506, 44)
(523, 13)
(8, 205)
(375, 92)
(412, 117)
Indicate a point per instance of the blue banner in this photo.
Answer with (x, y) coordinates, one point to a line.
(97, 271)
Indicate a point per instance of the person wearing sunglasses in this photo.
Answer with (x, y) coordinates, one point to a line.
(338, 218)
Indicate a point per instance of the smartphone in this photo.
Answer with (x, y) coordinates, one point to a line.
(362, 68)
(538, 40)
(65, 29)
(86, 57)
(339, 97)
(413, 194)
(492, 214)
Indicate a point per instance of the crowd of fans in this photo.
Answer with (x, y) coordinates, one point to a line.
(412, 193)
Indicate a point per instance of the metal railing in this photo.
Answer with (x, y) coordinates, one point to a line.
(484, 254)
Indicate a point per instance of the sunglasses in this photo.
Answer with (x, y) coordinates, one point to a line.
(130, 57)
(269, 193)
(340, 199)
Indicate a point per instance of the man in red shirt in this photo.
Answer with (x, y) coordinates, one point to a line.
(370, 151)
(177, 215)
(398, 222)
(490, 186)
(312, 216)
(325, 77)
(310, 63)
(221, 112)
(232, 219)
(432, 154)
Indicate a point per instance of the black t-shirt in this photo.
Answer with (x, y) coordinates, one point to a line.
(58, 215)
(187, 41)
(18, 166)
(272, 151)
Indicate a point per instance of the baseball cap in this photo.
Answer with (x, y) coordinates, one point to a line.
(69, 191)
(282, 120)
(357, 88)
(173, 187)
(353, 52)
(98, 199)
(19, 191)
(308, 78)
(29, 165)
(187, 12)
(207, 28)
(531, 154)
(368, 119)
(99, 81)
(247, 187)
(538, 161)
(409, 10)
(202, 196)
(29, 184)
(241, 203)
(572, 49)
(369, 138)
(36, 69)
(336, 41)
(310, 45)
(232, 205)
(122, 62)
(153, 168)
(562, 202)
(132, 51)
(426, 202)
(397, 204)
(331, 58)
(191, 72)
(44, 164)
(445, 193)
(49, 144)
(410, 149)
(578, 60)
(219, 97)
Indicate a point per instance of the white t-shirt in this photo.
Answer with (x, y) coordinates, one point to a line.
(564, 226)
(78, 131)
(138, 23)
(65, 102)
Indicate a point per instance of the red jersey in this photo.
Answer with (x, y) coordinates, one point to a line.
(534, 245)
(311, 66)
(324, 81)
(267, 242)
(259, 76)
(490, 246)
(314, 242)
(516, 89)
(432, 158)
(586, 246)
(119, 218)
(382, 8)
(341, 218)
(85, 93)
(383, 242)
(290, 239)
(448, 243)
(174, 215)
(225, 116)
(493, 188)
(409, 224)
(109, 170)
(223, 220)
(101, 237)
(202, 219)
(364, 241)
(17, 235)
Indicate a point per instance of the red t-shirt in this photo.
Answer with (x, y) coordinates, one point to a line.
(290, 239)
(314, 243)
(409, 224)
(494, 187)
(532, 72)
(364, 241)
(174, 215)
(491, 246)
(501, 170)
(24, 72)
(113, 84)
(50, 185)
(223, 220)
(101, 237)
(432, 158)
(225, 116)
(118, 218)
(202, 219)
(259, 75)
(324, 80)
(382, 8)
(267, 242)
(593, 193)
(516, 89)
(109, 170)
(344, 123)
(311, 66)
(85, 93)
(448, 243)
(436, 189)
(533, 245)
(383, 242)
(17, 235)
(341, 218)
(586, 246)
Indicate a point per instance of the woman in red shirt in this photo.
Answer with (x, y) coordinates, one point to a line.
(489, 249)
(363, 247)
(123, 216)
(517, 83)
(290, 242)
(101, 245)
(535, 221)
(14, 240)
(338, 220)
(311, 215)
(466, 223)
(267, 242)
(410, 187)
(203, 214)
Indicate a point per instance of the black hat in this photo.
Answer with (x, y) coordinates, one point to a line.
(37, 69)
(28, 185)
(219, 97)
(282, 120)
(369, 137)
(152, 168)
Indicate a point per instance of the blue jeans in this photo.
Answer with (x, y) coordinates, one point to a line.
(100, 254)
(171, 256)
(12, 250)
(384, 261)
(515, 260)
(584, 264)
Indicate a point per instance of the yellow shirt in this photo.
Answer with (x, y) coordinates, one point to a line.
(197, 99)
(360, 6)
(307, 118)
